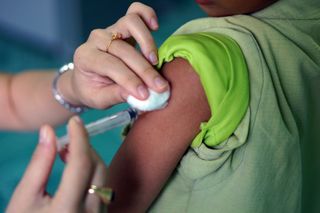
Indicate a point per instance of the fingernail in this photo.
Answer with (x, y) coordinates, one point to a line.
(43, 135)
(154, 23)
(153, 58)
(160, 82)
(143, 92)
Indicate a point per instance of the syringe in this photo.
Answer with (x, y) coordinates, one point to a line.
(153, 102)
(104, 124)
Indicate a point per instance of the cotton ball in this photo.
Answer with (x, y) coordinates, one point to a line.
(154, 101)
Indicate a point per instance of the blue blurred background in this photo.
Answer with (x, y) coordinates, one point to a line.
(44, 34)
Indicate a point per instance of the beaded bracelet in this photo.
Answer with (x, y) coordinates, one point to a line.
(59, 97)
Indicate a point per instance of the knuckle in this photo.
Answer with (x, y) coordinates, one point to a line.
(128, 21)
(131, 82)
(95, 34)
(131, 18)
(122, 21)
(149, 42)
(148, 10)
(134, 6)
(137, 7)
(147, 71)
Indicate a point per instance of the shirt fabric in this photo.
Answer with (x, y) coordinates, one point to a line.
(222, 69)
(270, 162)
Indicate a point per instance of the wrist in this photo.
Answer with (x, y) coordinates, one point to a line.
(66, 89)
(63, 91)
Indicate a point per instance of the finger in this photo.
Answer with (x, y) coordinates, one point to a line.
(103, 97)
(136, 62)
(101, 39)
(78, 172)
(145, 41)
(99, 179)
(146, 13)
(36, 176)
(109, 96)
(99, 62)
(112, 67)
(133, 25)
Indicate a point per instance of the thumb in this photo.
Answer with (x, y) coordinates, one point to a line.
(36, 175)
(78, 172)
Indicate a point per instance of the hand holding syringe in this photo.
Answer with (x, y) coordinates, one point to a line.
(155, 101)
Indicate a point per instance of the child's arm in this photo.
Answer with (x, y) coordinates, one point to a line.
(158, 140)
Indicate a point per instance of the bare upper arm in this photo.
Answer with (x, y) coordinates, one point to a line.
(158, 139)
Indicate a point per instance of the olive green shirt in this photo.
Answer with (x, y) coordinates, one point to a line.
(270, 163)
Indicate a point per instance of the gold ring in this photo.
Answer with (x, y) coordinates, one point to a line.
(114, 36)
(104, 193)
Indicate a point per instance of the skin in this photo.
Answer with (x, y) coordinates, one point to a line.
(216, 8)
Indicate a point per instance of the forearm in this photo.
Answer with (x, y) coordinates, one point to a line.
(28, 101)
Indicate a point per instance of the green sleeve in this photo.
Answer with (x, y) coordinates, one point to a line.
(220, 64)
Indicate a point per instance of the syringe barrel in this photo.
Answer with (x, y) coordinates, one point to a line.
(119, 119)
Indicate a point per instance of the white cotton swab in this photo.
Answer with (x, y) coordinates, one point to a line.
(153, 102)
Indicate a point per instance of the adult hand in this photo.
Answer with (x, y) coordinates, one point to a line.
(83, 168)
(105, 73)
